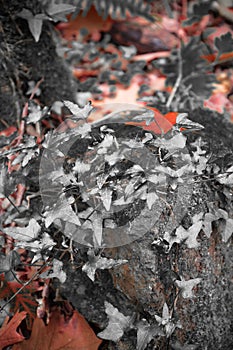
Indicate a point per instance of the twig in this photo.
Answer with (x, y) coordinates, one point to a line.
(178, 80)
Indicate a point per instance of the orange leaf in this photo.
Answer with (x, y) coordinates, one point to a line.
(161, 123)
(60, 334)
(8, 333)
(92, 22)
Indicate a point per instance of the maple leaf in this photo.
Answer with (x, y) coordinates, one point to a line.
(23, 300)
(117, 323)
(59, 334)
(8, 333)
(187, 286)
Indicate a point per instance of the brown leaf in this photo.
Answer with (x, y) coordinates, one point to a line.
(59, 334)
(8, 333)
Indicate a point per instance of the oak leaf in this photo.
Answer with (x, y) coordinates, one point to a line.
(8, 332)
(59, 334)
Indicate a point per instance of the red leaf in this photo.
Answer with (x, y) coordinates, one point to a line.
(59, 334)
(8, 333)
(9, 131)
(23, 300)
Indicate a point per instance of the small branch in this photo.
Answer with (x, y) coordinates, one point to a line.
(178, 80)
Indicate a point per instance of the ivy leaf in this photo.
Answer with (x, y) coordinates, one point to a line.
(145, 333)
(227, 179)
(187, 286)
(36, 113)
(98, 262)
(224, 44)
(61, 210)
(58, 12)
(189, 235)
(77, 112)
(27, 233)
(8, 331)
(166, 321)
(106, 197)
(56, 271)
(9, 261)
(34, 22)
(117, 324)
(225, 228)
(151, 198)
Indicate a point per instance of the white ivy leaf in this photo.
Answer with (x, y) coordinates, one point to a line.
(226, 229)
(45, 242)
(151, 198)
(207, 223)
(101, 263)
(106, 196)
(189, 235)
(166, 321)
(77, 112)
(58, 12)
(9, 261)
(56, 271)
(34, 22)
(187, 286)
(227, 179)
(31, 153)
(27, 233)
(81, 167)
(61, 210)
(183, 121)
(117, 324)
(147, 116)
(145, 333)
(176, 142)
(193, 231)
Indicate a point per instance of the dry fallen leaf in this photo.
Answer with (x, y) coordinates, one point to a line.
(8, 333)
(59, 334)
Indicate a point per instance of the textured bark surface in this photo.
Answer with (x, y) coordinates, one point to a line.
(23, 60)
